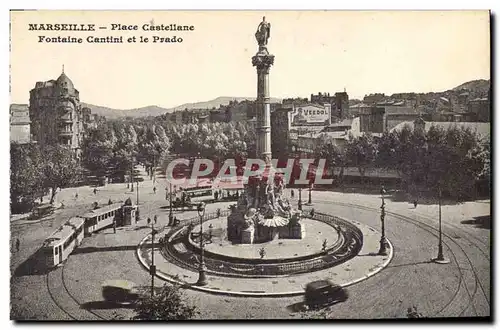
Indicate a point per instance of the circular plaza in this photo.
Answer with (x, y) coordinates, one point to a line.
(333, 248)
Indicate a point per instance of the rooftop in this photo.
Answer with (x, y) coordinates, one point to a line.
(64, 231)
(102, 210)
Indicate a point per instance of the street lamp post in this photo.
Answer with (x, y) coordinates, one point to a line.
(440, 257)
(383, 241)
(153, 266)
(171, 213)
(131, 175)
(300, 199)
(309, 202)
(202, 279)
(137, 192)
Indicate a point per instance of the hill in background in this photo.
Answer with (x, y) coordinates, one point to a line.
(480, 86)
(153, 110)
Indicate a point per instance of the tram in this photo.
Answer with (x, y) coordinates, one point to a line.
(102, 217)
(57, 248)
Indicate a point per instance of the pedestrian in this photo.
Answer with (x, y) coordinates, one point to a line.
(76, 196)
(95, 191)
(154, 190)
(415, 203)
(292, 193)
(149, 220)
(18, 244)
(156, 219)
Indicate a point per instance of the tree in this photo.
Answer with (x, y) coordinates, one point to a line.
(334, 156)
(387, 151)
(26, 177)
(59, 168)
(455, 161)
(97, 150)
(167, 304)
(361, 152)
(447, 160)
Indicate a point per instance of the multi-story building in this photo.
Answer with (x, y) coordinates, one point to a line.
(20, 131)
(374, 98)
(56, 113)
(292, 120)
(341, 107)
(338, 102)
(280, 132)
(322, 98)
(480, 107)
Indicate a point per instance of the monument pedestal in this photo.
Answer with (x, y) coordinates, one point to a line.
(247, 235)
(298, 231)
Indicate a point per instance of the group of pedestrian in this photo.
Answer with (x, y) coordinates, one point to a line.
(155, 220)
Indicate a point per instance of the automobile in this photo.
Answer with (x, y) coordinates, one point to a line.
(322, 293)
(120, 292)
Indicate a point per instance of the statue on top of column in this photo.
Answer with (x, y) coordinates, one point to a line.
(263, 32)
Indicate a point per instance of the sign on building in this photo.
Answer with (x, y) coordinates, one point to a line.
(309, 114)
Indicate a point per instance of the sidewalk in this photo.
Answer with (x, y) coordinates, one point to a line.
(361, 267)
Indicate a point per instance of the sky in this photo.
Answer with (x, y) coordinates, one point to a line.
(315, 51)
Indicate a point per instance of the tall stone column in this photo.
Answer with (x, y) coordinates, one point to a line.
(263, 61)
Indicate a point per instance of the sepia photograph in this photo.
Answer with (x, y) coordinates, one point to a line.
(250, 165)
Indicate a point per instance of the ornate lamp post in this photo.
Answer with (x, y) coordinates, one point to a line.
(440, 258)
(137, 192)
(131, 174)
(383, 241)
(309, 202)
(153, 266)
(300, 199)
(202, 279)
(171, 213)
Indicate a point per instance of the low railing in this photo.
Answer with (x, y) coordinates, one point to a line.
(347, 248)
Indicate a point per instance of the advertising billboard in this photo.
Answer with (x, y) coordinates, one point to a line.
(309, 114)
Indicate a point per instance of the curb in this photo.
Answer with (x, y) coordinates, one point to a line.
(172, 280)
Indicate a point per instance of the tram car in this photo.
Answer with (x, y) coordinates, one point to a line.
(103, 217)
(57, 248)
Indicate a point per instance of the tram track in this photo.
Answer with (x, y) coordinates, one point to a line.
(432, 230)
(64, 300)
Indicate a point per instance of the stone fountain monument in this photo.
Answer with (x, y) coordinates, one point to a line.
(262, 212)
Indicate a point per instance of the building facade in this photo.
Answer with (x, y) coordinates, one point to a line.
(480, 107)
(20, 124)
(56, 113)
(292, 120)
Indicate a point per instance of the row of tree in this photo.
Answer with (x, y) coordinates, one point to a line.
(451, 160)
(115, 146)
(37, 170)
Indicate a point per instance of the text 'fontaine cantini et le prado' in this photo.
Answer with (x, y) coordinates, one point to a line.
(175, 31)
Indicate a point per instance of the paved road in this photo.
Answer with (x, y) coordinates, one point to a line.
(460, 288)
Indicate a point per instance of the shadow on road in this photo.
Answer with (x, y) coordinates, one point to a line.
(301, 307)
(91, 305)
(411, 264)
(483, 221)
(34, 265)
(92, 249)
(297, 307)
